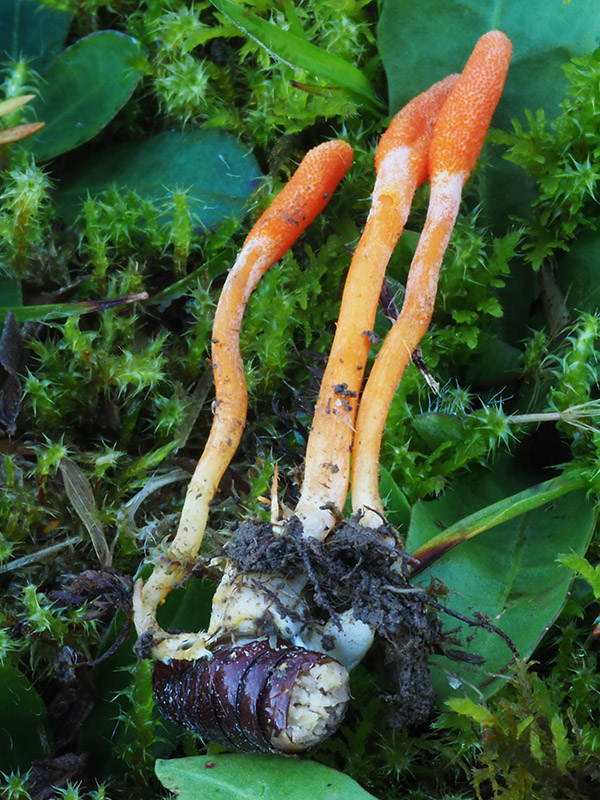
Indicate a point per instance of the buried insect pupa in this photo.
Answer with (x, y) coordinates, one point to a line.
(255, 696)
(266, 674)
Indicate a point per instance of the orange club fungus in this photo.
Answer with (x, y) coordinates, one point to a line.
(269, 673)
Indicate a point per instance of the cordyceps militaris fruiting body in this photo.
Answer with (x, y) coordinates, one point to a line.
(293, 612)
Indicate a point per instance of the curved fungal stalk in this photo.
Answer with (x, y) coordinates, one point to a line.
(401, 166)
(297, 205)
(303, 197)
(457, 140)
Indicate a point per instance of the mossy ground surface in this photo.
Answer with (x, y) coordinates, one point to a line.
(105, 413)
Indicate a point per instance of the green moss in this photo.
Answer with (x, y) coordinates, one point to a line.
(535, 742)
(562, 158)
(125, 393)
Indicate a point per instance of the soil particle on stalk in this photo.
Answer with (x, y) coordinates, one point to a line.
(364, 569)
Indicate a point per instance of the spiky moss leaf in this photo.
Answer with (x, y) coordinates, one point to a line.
(24, 730)
(509, 573)
(83, 90)
(244, 776)
(33, 31)
(217, 173)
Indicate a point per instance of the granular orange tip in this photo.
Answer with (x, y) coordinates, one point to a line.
(465, 117)
(415, 121)
(303, 197)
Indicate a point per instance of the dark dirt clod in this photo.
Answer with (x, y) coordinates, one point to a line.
(46, 777)
(366, 570)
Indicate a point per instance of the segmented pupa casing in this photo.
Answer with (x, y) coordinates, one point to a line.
(255, 696)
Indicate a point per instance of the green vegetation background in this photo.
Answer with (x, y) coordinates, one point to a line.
(169, 126)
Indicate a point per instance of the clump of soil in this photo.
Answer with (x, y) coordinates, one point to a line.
(364, 569)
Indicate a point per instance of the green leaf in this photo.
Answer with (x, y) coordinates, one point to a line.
(11, 293)
(214, 266)
(496, 363)
(216, 171)
(394, 500)
(83, 90)
(579, 273)
(298, 52)
(509, 573)
(188, 608)
(535, 744)
(420, 43)
(23, 731)
(31, 30)
(247, 777)
(560, 740)
(495, 514)
(436, 429)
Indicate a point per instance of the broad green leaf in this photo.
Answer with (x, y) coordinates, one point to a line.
(584, 569)
(248, 777)
(298, 52)
(23, 727)
(422, 42)
(10, 292)
(495, 514)
(188, 608)
(509, 573)
(579, 273)
(436, 429)
(83, 90)
(394, 500)
(496, 363)
(32, 30)
(216, 171)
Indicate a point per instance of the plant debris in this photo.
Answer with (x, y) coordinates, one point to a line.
(11, 362)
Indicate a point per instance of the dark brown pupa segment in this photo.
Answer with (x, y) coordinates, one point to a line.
(177, 687)
(241, 696)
